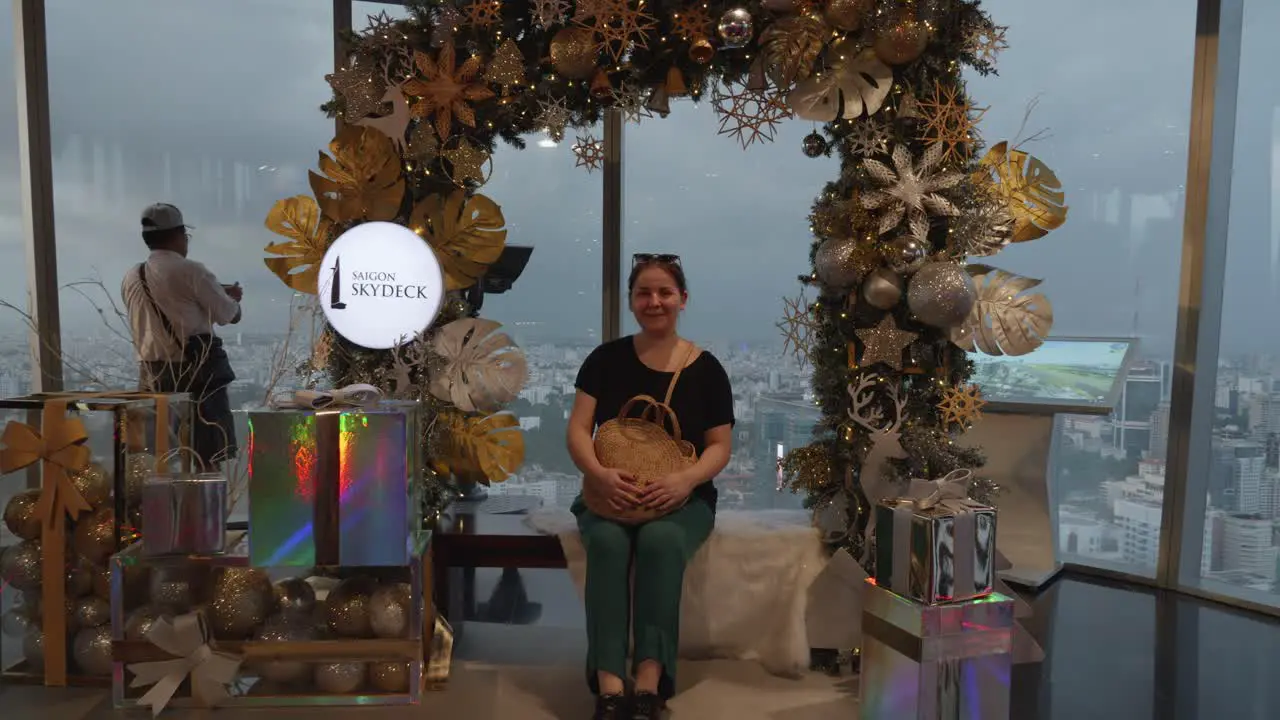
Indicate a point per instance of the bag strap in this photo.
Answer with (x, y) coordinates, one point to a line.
(652, 407)
(164, 319)
(671, 389)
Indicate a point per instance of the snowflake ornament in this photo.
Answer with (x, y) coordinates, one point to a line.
(867, 138)
(630, 101)
(549, 13)
(987, 41)
(553, 116)
(589, 151)
(961, 405)
(910, 190)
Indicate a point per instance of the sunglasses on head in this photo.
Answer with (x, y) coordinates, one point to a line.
(646, 258)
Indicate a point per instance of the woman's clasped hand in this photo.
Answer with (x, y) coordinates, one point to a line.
(612, 491)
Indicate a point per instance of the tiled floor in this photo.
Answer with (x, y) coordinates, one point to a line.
(1113, 653)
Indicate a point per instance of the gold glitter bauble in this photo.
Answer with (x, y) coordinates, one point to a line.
(101, 582)
(21, 515)
(284, 628)
(80, 579)
(340, 678)
(347, 607)
(574, 51)
(138, 468)
(295, 596)
(20, 566)
(92, 612)
(140, 621)
(847, 15)
(902, 39)
(242, 599)
(389, 611)
(92, 650)
(95, 536)
(173, 589)
(941, 294)
(93, 483)
(389, 677)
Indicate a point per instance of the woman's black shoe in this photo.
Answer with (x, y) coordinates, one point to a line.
(646, 706)
(610, 707)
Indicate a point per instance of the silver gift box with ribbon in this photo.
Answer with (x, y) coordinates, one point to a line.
(936, 545)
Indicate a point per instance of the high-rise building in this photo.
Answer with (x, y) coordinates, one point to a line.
(1159, 431)
(781, 424)
(1235, 475)
(1144, 388)
(1247, 546)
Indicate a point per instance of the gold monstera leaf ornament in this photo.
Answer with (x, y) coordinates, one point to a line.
(1007, 318)
(466, 232)
(1031, 190)
(298, 259)
(483, 368)
(486, 449)
(361, 178)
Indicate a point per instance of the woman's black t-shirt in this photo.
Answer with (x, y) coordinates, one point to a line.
(613, 374)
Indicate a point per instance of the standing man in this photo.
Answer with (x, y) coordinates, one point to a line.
(173, 304)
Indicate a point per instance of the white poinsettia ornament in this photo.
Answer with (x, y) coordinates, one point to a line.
(483, 368)
(909, 190)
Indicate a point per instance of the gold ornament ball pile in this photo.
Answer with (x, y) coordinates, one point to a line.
(340, 678)
(173, 589)
(347, 608)
(389, 677)
(92, 612)
(20, 566)
(574, 51)
(93, 483)
(283, 628)
(92, 650)
(21, 515)
(80, 579)
(95, 536)
(242, 599)
(902, 39)
(389, 608)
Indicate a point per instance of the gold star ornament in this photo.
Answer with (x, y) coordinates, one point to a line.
(468, 163)
(589, 151)
(884, 343)
(961, 405)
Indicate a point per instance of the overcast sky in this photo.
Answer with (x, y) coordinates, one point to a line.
(212, 105)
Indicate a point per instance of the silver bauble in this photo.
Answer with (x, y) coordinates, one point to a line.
(340, 678)
(140, 621)
(906, 254)
(21, 566)
(295, 596)
(836, 263)
(736, 28)
(389, 611)
(33, 648)
(94, 484)
(92, 650)
(389, 677)
(15, 622)
(283, 628)
(883, 289)
(941, 294)
(172, 589)
(92, 612)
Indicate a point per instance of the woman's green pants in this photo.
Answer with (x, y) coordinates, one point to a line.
(658, 551)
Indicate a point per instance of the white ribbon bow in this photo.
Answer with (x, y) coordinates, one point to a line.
(187, 638)
(951, 489)
(357, 395)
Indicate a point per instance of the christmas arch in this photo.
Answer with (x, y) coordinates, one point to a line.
(897, 308)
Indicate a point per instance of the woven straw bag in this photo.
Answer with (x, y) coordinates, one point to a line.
(643, 447)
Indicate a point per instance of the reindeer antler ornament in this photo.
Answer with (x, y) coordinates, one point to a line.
(885, 435)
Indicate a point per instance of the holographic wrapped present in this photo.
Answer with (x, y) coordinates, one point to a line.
(334, 486)
(936, 545)
(935, 662)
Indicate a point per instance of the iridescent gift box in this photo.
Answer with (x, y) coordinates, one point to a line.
(334, 487)
(935, 553)
(935, 662)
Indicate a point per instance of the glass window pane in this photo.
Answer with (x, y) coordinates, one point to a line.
(1237, 536)
(1112, 270)
(739, 220)
(216, 112)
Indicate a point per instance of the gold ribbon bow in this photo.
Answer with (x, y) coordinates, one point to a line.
(61, 447)
(951, 490)
(187, 638)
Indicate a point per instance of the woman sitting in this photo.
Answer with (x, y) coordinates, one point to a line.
(656, 551)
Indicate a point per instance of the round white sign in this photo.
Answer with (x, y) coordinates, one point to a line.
(380, 284)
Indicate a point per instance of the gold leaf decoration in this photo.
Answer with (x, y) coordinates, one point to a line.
(362, 180)
(791, 46)
(1033, 192)
(487, 449)
(466, 233)
(1006, 319)
(298, 259)
(856, 82)
(483, 368)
